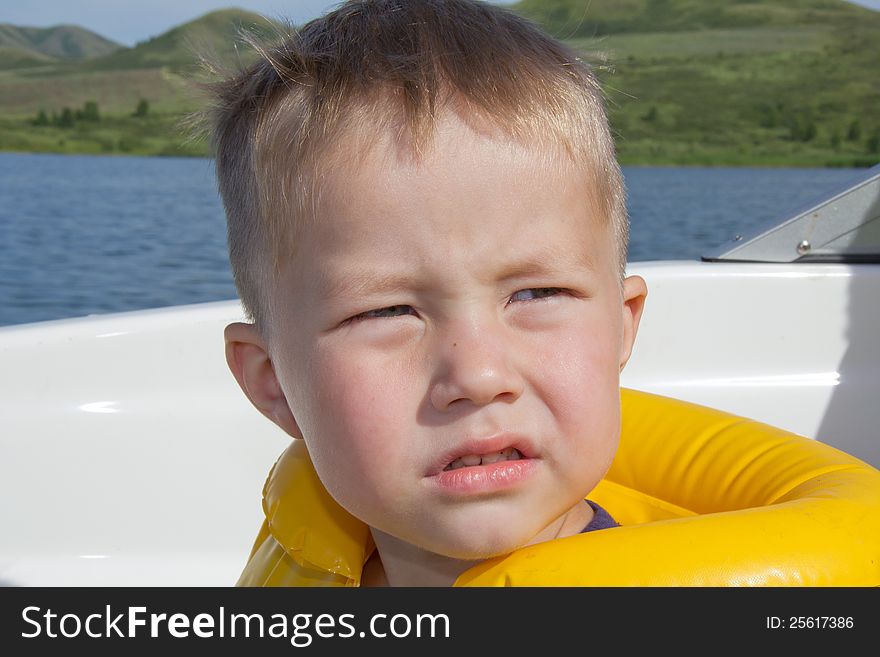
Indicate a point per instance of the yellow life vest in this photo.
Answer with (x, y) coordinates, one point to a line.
(704, 498)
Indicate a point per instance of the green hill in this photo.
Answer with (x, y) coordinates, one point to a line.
(62, 42)
(14, 57)
(800, 87)
(734, 82)
(154, 70)
(216, 33)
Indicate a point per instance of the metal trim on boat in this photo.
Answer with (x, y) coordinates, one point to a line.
(841, 227)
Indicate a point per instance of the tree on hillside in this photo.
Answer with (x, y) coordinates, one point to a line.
(90, 111)
(874, 143)
(66, 118)
(801, 126)
(143, 108)
(855, 131)
(41, 119)
(835, 140)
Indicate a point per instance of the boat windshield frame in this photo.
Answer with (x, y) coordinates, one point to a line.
(843, 226)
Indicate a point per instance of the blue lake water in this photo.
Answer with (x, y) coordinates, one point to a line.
(84, 234)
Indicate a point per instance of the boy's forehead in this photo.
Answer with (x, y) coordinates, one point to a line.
(382, 171)
(386, 153)
(356, 248)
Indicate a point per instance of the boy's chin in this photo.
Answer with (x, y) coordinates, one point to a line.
(475, 540)
(476, 547)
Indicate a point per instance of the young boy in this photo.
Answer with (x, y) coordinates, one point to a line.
(428, 231)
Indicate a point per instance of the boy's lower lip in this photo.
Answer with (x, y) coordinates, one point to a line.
(487, 478)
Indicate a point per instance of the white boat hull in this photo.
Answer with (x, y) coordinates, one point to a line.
(131, 458)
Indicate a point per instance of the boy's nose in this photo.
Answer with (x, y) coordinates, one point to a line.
(475, 366)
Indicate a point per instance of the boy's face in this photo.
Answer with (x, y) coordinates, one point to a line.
(442, 314)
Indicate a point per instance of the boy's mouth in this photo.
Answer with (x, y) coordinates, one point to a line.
(469, 460)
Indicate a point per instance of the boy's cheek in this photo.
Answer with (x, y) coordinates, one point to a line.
(585, 358)
(580, 384)
(354, 447)
(357, 411)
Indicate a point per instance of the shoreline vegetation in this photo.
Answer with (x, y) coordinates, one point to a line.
(762, 83)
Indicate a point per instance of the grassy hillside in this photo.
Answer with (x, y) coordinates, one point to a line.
(579, 18)
(771, 95)
(62, 42)
(140, 93)
(736, 82)
(14, 57)
(216, 34)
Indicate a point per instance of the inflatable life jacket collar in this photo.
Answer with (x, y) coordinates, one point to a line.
(313, 529)
(714, 499)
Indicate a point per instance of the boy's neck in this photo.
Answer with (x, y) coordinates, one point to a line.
(396, 563)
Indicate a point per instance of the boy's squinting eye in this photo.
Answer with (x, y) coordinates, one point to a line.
(529, 294)
(534, 293)
(380, 313)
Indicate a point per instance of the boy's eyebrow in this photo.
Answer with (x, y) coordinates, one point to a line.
(544, 264)
(353, 283)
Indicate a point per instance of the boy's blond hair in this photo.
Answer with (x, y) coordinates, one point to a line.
(373, 65)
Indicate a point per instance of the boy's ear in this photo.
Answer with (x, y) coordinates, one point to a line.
(635, 290)
(249, 362)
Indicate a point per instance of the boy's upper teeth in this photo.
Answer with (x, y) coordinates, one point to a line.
(507, 454)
